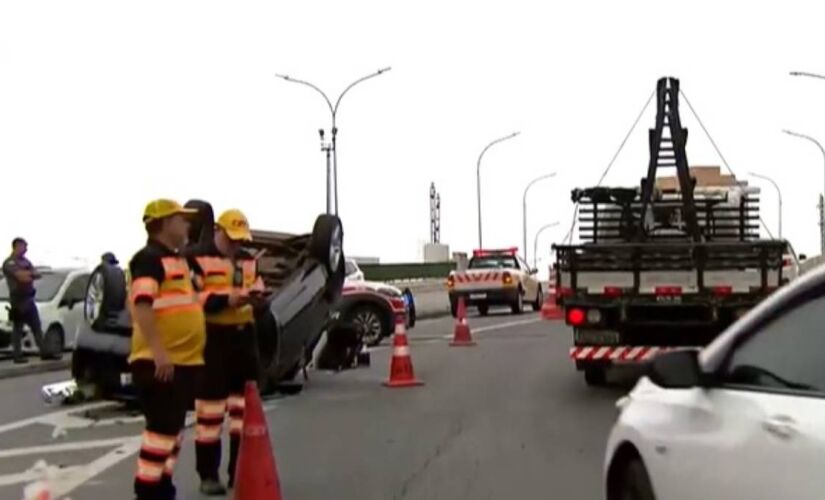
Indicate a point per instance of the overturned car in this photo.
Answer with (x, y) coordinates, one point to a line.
(304, 272)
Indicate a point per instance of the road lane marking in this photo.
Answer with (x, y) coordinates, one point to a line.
(500, 326)
(63, 447)
(62, 417)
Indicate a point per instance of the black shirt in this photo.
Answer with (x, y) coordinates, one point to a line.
(18, 292)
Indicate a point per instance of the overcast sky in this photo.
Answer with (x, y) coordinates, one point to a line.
(105, 105)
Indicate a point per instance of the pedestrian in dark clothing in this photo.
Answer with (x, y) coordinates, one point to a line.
(20, 275)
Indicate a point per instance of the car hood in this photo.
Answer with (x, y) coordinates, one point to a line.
(372, 286)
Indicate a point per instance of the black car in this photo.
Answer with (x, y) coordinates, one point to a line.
(305, 272)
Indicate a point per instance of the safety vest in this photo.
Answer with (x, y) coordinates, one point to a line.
(179, 317)
(219, 278)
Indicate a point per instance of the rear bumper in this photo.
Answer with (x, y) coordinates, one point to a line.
(492, 296)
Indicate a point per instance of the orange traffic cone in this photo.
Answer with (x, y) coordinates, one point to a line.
(462, 335)
(256, 475)
(401, 368)
(550, 310)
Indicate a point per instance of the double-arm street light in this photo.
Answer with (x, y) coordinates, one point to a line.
(778, 194)
(333, 109)
(524, 208)
(478, 178)
(821, 150)
(536, 241)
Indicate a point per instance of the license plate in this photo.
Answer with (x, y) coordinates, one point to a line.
(477, 296)
(125, 379)
(664, 299)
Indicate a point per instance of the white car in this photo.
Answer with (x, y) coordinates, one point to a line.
(743, 418)
(59, 296)
(352, 271)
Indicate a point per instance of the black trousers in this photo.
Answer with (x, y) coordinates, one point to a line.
(231, 357)
(21, 315)
(164, 406)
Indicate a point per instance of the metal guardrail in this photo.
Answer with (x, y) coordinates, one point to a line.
(407, 271)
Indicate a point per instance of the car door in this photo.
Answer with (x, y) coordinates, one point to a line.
(531, 286)
(71, 307)
(759, 431)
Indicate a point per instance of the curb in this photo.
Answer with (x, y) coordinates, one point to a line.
(33, 368)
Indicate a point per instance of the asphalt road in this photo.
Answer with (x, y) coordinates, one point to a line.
(508, 418)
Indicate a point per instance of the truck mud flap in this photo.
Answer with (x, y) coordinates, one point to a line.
(620, 354)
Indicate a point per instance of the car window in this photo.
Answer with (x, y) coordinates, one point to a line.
(493, 262)
(77, 288)
(788, 353)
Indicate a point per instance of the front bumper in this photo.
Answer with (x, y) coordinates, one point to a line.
(491, 296)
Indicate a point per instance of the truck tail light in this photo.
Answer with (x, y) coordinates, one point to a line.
(722, 291)
(612, 291)
(668, 291)
(507, 278)
(576, 317)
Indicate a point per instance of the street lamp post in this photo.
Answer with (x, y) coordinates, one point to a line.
(536, 241)
(778, 194)
(524, 208)
(333, 109)
(822, 150)
(478, 178)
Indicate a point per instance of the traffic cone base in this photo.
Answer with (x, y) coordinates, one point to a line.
(550, 310)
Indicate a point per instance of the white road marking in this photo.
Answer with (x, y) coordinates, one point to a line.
(62, 447)
(62, 417)
(499, 326)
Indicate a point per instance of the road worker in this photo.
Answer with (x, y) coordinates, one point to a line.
(231, 291)
(167, 343)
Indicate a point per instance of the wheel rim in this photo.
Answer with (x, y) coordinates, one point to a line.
(369, 324)
(335, 248)
(94, 298)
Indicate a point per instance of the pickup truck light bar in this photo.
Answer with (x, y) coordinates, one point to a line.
(491, 252)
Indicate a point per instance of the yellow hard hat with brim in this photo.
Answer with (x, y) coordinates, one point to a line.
(235, 224)
(162, 208)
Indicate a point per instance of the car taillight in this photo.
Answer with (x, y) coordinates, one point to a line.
(612, 291)
(507, 278)
(398, 304)
(786, 262)
(450, 281)
(668, 291)
(722, 291)
(576, 317)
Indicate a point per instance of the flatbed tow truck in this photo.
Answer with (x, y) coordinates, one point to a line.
(667, 265)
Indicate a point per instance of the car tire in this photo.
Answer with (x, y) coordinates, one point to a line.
(326, 244)
(105, 295)
(484, 309)
(595, 376)
(635, 482)
(518, 305)
(370, 322)
(54, 341)
(539, 300)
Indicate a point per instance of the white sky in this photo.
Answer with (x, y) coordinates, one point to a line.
(104, 105)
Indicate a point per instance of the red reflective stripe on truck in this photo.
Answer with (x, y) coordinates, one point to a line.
(619, 353)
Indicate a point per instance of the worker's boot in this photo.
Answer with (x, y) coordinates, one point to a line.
(212, 487)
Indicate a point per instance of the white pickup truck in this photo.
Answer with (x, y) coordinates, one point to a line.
(496, 278)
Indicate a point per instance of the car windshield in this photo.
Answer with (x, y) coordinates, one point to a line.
(45, 288)
(494, 262)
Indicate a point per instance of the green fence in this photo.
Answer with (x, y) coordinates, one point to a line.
(392, 272)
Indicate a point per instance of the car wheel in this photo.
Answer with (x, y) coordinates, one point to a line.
(369, 323)
(635, 482)
(54, 341)
(326, 245)
(539, 300)
(518, 306)
(595, 376)
(105, 295)
(483, 309)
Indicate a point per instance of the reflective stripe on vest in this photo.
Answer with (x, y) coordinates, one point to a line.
(219, 274)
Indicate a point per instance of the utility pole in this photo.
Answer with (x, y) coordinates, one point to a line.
(435, 215)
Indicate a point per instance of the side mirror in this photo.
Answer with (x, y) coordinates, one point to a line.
(534, 271)
(677, 370)
(802, 257)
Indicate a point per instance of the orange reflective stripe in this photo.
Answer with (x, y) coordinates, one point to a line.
(158, 443)
(166, 301)
(210, 408)
(235, 425)
(236, 402)
(143, 287)
(207, 433)
(174, 265)
(149, 471)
